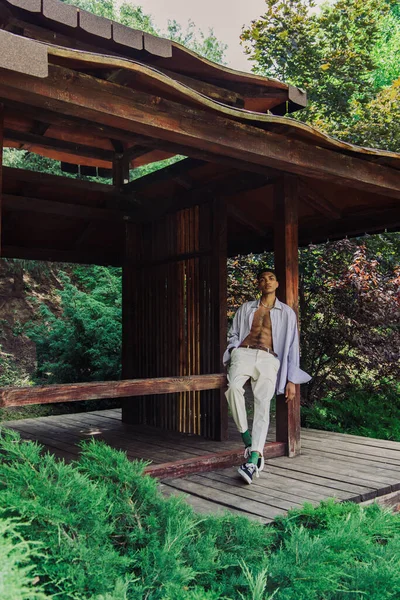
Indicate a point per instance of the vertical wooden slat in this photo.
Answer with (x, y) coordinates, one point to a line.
(1, 168)
(219, 266)
(130, 407)
(287, 268)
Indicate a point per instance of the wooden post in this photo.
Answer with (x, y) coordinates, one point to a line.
(1, 167)
(287, 269)
(120, 170)
(130, 407)
(219, 265)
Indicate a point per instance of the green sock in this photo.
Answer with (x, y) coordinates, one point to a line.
(246, 437)
(254, 457)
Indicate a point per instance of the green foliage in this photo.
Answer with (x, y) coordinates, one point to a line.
(83, 343)
(106, 533)
(16, 565)
(10, 373)
(335, 550)
(359, 411)
(344, 55)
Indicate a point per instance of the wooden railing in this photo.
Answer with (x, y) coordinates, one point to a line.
(75, 392)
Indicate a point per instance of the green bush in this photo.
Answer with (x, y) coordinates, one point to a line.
(17, 579)
(372, 413)
(84, 342)
(106, 533)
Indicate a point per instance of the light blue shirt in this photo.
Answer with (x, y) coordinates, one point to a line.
(285, 337)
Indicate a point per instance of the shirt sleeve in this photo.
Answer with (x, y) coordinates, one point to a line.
(233, 336)
(295, 374)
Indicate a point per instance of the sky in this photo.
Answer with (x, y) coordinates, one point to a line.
(226, 17)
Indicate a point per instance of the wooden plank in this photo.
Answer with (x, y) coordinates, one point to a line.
(73, 148)
(208, 462)
(215, 92)
(281, 484)
(202, 506)
(350, 438)
(392, 453)
(76, 94)
(67, 256)
(350, 466)
(287, 269)
(236, 487)
(64, 209)
(333, 472)
(355, 492)
(358, 454)
(305, 490)
(159, 441)
(226, 499)
(110, 389)
(257, 491)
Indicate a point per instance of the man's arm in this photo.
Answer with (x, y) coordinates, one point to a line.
(233, 336)
(295, 374)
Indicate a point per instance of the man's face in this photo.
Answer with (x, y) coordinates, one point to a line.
(267, 283)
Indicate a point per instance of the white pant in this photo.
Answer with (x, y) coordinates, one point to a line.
(262, 367)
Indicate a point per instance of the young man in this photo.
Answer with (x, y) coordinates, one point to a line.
(263, 345)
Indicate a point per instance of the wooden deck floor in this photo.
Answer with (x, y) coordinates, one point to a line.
(335, 465)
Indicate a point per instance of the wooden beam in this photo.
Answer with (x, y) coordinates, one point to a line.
(120, 170)
(1, 172)
(317, 200)
(179, 168)
(287, 269)
(210, 462)
(119, 135)
(64, 209)
(30, 179)
(76, 392)
(127, 78)
(111, 257)
(76, 94)
(351, 225)
(222, 186)
(59, 145)
(241, 217)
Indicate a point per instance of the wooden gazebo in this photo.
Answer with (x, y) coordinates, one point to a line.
(101, 97)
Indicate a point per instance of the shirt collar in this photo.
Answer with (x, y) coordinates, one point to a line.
(277, 304)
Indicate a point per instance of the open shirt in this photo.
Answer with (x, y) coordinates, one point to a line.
(285, 338)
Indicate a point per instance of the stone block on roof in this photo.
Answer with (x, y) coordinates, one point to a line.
(31, 5)
(94, 24)
(23, 55)
(158, 46)
(60, 12)
(127, 36)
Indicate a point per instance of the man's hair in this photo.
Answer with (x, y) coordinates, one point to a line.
(266, 270)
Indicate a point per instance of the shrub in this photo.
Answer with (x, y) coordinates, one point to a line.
(84, 342)
(373, 413)
(106, 533)
(17, 580)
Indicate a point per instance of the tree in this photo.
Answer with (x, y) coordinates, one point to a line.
(333, 55)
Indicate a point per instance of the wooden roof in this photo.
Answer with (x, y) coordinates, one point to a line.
(84, 90)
